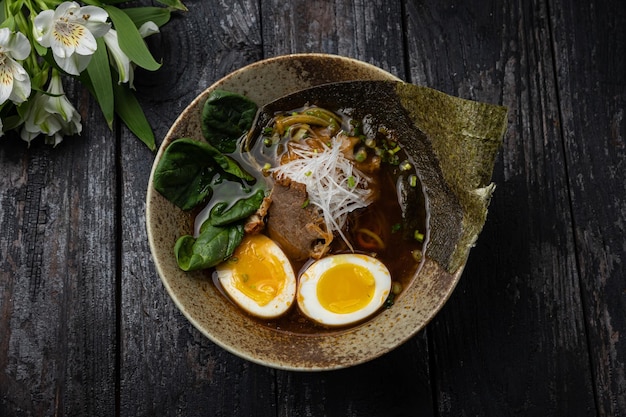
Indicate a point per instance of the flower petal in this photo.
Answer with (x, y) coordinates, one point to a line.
(5, 36)
(18, 46)
(73, 64)
(148, 28)
(94, 13)
(122, 62)
(87, 44)
(21, 84)
(6, 83)
(43, 26)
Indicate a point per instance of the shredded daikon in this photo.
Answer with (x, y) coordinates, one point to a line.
(332, 182)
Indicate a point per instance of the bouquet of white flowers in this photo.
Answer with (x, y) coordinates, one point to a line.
(99, 43)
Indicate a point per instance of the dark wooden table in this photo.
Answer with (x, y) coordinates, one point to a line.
(537, 325)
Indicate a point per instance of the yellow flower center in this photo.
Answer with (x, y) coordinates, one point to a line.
(6, 76)
(69, 34)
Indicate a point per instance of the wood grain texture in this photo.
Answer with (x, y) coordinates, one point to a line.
(57, 274)
(536, 326)
(511, 341)
(590, 54)
(167, 367)
(397, 384)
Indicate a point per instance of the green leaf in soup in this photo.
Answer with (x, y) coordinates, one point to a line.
(184, 174)
(214, 245)
(228, 164)
(226, 117)
(224, 213)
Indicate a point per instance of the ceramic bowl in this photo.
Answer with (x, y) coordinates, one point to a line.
(213, 315)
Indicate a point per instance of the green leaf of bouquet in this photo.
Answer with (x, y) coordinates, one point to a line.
(129, 110)
(130, 40)
(41, 50)
(105, 2)
(174, 4)
(15, 7)
(101, 81)
(141, 15)
(6, 22)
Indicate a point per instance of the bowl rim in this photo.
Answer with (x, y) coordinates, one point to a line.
(451, 279)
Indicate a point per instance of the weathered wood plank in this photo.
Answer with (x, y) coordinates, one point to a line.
(511, 340)
(370, 31)
(397, 383)
(590, 55)
(167, 367)
(57, 273)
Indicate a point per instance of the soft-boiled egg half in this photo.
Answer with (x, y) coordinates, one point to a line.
(342, 289)
(258, 277)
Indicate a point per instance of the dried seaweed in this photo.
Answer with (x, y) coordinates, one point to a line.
(453, 143)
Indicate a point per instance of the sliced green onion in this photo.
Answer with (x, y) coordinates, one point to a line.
(360, 155)
(405, 166)
(351, 182)
(419, 236)
(413, 180)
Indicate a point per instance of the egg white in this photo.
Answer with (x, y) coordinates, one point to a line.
(310, 305)
(264, 250)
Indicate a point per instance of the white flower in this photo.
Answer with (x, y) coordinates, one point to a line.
(122, 62)
(14, 80)
(71, 32)
(51, 114)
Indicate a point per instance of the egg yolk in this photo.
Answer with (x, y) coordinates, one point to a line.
(256, 273)
(345, 288)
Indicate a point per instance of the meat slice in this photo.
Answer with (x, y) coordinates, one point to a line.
(295, 225)
(256, 223)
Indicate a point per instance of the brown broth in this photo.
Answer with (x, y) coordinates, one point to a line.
(385, 215)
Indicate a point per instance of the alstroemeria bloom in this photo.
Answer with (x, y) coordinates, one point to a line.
(122, 62)
(71, 32)
(14, 80)
(51, 114)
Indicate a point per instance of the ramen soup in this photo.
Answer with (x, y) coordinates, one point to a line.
(341, 230)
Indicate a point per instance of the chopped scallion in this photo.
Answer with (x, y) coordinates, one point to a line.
(360, 155)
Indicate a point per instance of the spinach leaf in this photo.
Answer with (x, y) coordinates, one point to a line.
(225, 117)
(214, 245)
(185, 173)
(225, 162)
(224, 213)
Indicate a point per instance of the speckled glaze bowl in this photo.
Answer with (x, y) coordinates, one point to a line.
(208, 310)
